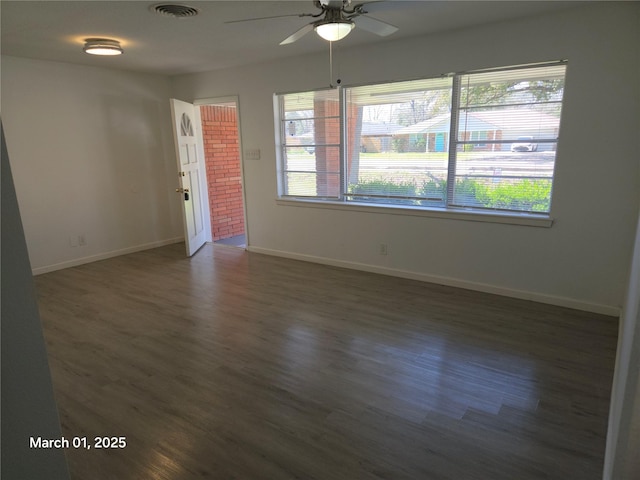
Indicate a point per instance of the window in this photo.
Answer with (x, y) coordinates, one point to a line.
(311, 144)
(479, 136)
(391, 145)
(479, 141)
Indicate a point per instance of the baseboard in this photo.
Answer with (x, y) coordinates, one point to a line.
(452, 282)
(103, 256)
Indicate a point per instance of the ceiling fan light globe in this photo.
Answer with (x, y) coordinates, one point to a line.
(334, 31)
(102, 51)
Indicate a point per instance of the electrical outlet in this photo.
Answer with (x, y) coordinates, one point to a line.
(82, 240)
(383, 249)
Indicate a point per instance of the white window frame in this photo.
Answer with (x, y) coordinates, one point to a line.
(449, 211)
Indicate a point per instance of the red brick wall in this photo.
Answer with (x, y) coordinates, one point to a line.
(222, 157)
(327, 158)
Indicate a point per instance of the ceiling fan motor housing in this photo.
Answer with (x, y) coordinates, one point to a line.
(332, 4)
(333, 15)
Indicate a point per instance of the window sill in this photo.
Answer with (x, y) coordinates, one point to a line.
(452, 214)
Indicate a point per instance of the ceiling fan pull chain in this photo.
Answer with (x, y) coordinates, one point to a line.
(331, 64)
(338, 81)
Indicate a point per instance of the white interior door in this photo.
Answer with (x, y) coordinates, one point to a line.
(191, 173)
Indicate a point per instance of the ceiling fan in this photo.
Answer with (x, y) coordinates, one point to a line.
(335, 21)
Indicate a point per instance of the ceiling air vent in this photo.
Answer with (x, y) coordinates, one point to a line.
(175, 10)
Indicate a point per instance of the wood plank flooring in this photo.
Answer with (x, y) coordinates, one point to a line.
(233, 365)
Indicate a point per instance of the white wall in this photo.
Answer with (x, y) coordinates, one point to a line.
(91, 152)
(28, 403)
(623, 436)
(582, 261)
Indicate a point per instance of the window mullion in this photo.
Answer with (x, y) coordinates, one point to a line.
(284, 188)
(344, 155)
(453, 139)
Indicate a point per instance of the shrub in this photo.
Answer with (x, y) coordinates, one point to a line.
(399, 144)
(433, 189)
(388, 188)
(523, 195)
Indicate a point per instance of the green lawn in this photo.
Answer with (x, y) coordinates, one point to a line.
(440, 156)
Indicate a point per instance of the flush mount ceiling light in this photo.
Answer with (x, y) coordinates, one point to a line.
(334, 31)
(102, 46)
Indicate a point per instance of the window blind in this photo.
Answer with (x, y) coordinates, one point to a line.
(311, 144)
(396, 139)
(503, 153)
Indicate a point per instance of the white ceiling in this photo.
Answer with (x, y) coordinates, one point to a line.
(55, 30)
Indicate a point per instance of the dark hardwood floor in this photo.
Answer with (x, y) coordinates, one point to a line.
(233, 365)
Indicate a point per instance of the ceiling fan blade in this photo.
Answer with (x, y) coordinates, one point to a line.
(273, 16)
(366, 2)
(298, 34)
(374, 26)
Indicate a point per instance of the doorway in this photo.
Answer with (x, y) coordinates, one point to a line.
(221, 142)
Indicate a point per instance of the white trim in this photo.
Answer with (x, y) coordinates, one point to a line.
(610, 310)
(624, 398)
(216, 100)
(462, 214)
(549, 63)
(524, 218)
(204, 182)
(103, 256)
